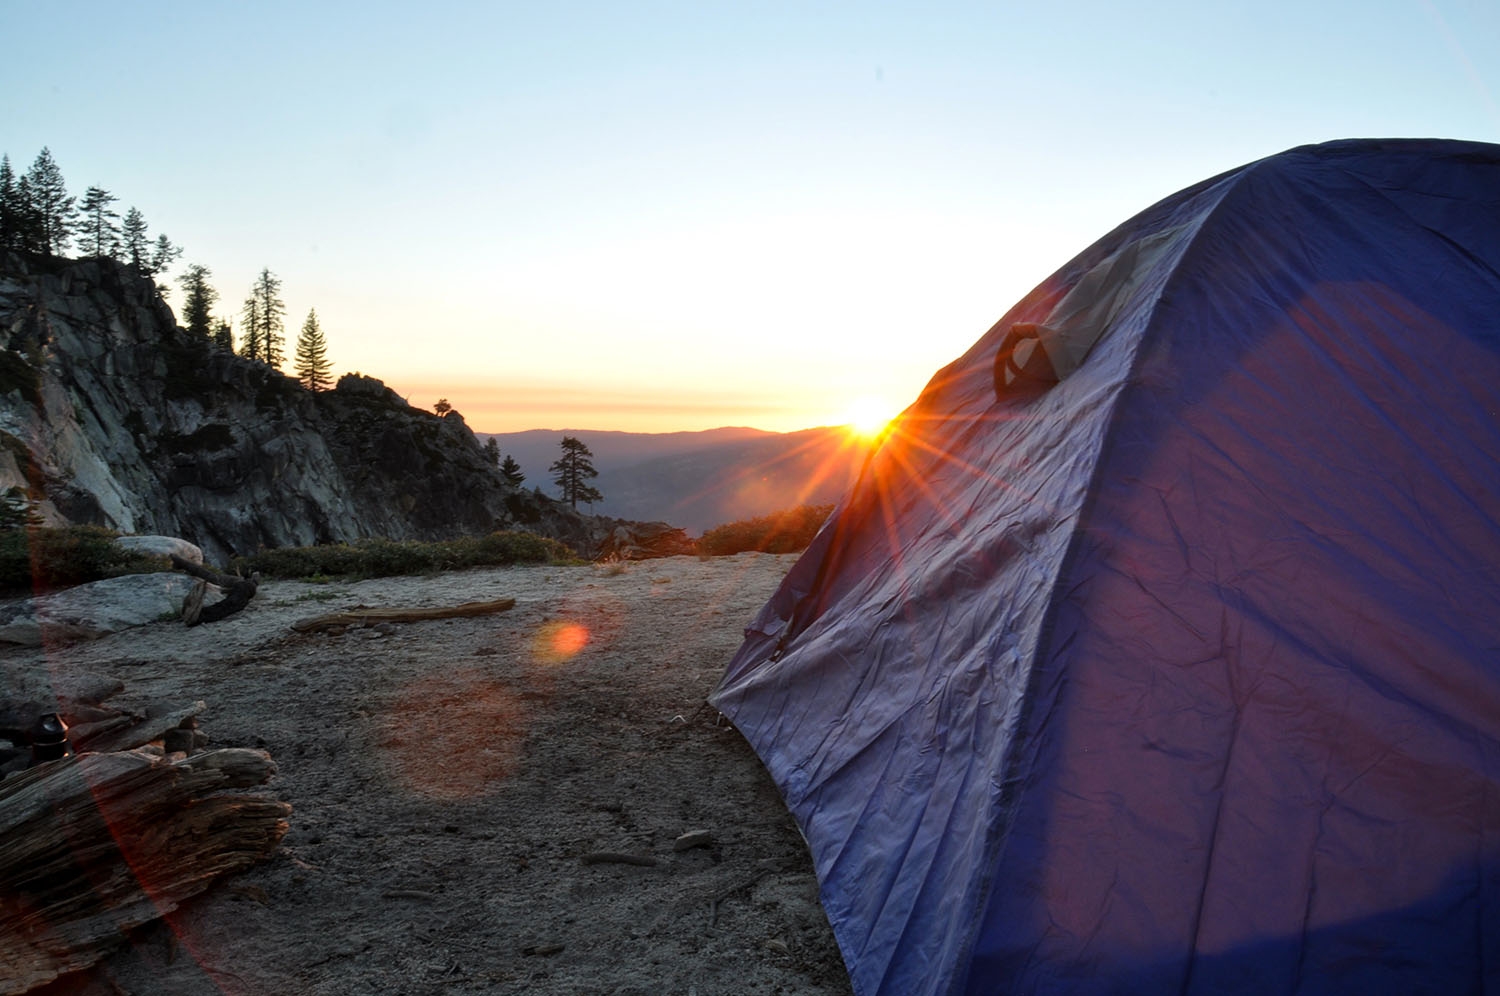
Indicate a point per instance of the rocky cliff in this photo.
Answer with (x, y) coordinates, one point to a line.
(110, 414)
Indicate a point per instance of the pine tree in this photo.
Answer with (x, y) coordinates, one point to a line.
(263, 327)
(492, 451)
(163, 254)
(250, 324)
(51, 208)
(573, 471)
(135, 247)
(197, 300)
(511, 471)
(312, 355)
(12, 211)
(224, 336)
(98, 235)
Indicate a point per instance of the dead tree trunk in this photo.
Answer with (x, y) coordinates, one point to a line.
(237, 593)
(97, 844)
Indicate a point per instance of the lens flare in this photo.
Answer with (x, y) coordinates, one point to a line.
(453, 736)
(559, 641)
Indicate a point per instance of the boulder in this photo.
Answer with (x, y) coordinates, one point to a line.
(646, 540)
(89, 611)
(162, 546)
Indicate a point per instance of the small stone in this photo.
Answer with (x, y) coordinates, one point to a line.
(692, 839)
(542, 950)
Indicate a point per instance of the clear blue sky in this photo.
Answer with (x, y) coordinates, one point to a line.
(677, 216)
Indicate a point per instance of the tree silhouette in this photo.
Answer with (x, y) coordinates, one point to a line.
(249, 329)
(98, 235)
(511, 471)
(312, 355)
(12, 210)
(197, 300)
(224, 336)
(135, 248)
(573, 470)
(442, 407)
(164, 254)
(262, 319)
(50, 206)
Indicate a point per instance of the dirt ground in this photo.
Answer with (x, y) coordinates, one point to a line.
(448, 777)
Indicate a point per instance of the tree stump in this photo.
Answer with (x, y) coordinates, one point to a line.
(94, 845)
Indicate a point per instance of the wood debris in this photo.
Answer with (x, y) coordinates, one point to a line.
(370, 617)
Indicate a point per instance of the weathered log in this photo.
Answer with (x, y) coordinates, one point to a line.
(369, 617)
(237, 593)
(98, 844)
(137, 733)
(618, 858)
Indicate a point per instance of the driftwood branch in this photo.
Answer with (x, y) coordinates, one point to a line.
(618, 858)
(369, 617)
(237, 593)
(100, 843)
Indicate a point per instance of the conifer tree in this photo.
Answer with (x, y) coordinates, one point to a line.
(197, 300)
(163, 254)
(98, 233)
(51, 208)
(224, 336)
(312, 355)
(492, 451)
(135, 248)
(573, 471)
(511, 471)
(12, 211)
(250, 329)
(263, 327)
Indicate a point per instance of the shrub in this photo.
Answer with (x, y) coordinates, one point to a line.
(374, 558)
(780, 532)
(37, 559)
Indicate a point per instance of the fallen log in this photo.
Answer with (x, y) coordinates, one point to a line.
(98, 844)
(618, 858)
(237, 593)
(370, 617)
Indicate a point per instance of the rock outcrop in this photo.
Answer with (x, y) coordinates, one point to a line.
(89, 611)
(112, 415)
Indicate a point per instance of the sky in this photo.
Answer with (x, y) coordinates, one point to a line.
(661, 217)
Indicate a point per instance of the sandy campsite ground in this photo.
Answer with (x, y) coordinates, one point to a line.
(448, 777)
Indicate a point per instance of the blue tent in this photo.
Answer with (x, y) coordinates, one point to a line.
(1158, 647)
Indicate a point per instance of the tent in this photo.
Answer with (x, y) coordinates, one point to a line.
(1157, 648)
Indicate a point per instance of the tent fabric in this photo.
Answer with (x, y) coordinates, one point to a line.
(1183, 674)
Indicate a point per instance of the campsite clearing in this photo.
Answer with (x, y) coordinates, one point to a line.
(453, 782)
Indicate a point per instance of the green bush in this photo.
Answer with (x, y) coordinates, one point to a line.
(780, 532)
(36, 559)
(375, 558)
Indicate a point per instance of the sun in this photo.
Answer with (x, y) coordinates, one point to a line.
(867, 417)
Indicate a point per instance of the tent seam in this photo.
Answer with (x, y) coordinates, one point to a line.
(1011, 791)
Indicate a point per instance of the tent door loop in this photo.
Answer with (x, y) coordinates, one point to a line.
(1022, 366)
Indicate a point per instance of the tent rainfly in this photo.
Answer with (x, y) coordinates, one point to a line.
(1157, 649)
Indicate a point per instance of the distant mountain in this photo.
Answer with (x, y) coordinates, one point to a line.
(698, 480)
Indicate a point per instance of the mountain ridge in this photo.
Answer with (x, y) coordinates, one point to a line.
(698, 480)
